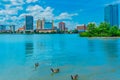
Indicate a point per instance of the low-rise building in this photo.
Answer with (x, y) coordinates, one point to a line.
(45, 30)
(81, 28)
(66, 29)
(2, 28)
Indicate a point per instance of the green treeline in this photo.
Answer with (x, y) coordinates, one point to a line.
(102, 30)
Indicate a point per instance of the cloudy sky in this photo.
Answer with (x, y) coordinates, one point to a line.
(72, 12)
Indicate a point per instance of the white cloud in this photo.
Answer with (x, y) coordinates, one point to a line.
(34, 8)
(65, 15)
(19, 8)
(17, 2)
(39, 12)
(10, 12)
(31, 1)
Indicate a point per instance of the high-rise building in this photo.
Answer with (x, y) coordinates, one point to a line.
(62, 26)
(48, 25)
(29, 23)
(111, 15)
(39, 24)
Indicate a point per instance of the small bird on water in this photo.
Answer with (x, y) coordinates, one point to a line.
(55, 70)
(36, 65)
(74, 77)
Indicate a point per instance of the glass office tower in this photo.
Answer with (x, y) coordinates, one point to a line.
(29, 23)
(111, 15)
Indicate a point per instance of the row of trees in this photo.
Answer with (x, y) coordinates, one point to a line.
(102, 30)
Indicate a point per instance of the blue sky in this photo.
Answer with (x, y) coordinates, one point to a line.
(72, 12)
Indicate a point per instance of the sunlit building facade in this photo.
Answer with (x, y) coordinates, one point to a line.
(39, 24)
(62, 26)
(81, 28)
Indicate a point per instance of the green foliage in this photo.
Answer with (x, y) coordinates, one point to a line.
(114, 31)
(91, 27)
(84, 34)
(103, 30)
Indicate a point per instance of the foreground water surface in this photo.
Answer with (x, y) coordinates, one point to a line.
(90, 58)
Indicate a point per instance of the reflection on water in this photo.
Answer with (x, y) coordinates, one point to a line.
(29, 47)
(91, 43)
(111, 49)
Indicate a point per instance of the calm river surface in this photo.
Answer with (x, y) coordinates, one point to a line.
(90, 58)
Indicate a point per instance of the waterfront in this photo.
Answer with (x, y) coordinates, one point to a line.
(90, 58)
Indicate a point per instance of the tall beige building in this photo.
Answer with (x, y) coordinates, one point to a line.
(39, 24)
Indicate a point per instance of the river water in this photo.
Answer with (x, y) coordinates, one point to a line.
(90, 58)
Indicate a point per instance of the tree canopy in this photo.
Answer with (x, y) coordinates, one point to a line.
(102, 30)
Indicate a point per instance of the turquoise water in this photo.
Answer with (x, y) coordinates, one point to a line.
(90, 58)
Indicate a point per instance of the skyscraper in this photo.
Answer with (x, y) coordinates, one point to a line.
(62, 26)
(39, 24)
(29, 23)
(111, 15)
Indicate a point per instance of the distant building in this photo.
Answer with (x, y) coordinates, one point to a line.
(2, 28)
(46, 30)
(39, 24)
(43, 23)
(12, 28)
(45, 26)
(55, 28)
(52, 24)
(29, 23)
(111, 15)
(21, 29)
(62, 26)
(48, 25)
(66, 29)
(81, 28)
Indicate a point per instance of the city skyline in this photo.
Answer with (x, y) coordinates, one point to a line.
(72, 13)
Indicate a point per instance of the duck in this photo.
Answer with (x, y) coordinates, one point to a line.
(36, 65)
(74, 77)
(55, 70)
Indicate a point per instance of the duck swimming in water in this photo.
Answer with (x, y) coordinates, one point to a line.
(55, 70)
(74, 77)
(36, 65)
